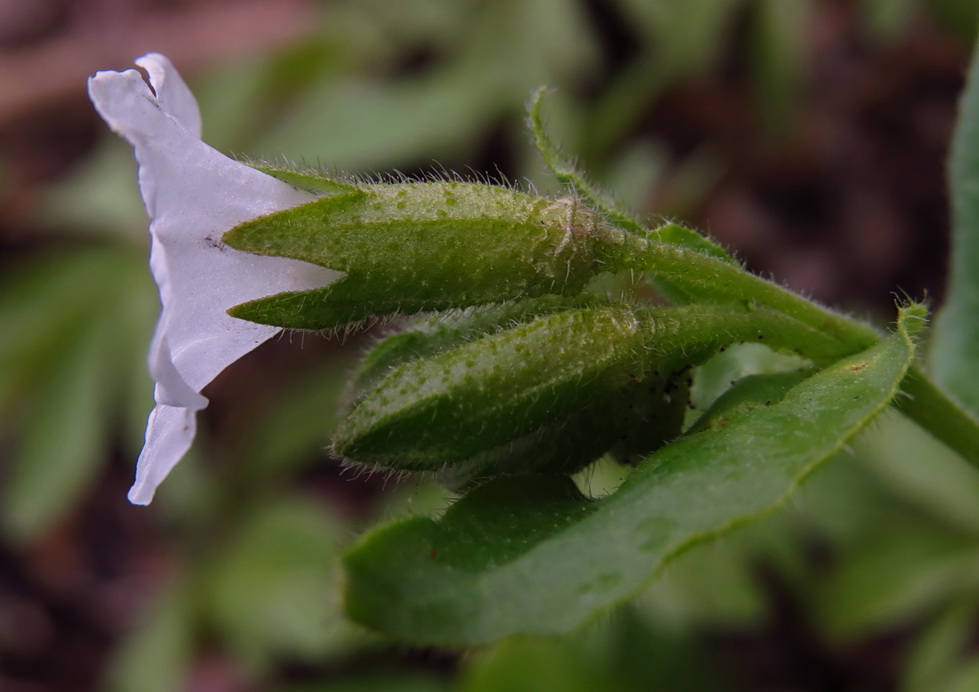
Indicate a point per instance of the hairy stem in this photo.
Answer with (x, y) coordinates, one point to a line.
(712, 280)
(933, 410)
(709, 279)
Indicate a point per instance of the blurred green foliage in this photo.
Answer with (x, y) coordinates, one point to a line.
(383, 85)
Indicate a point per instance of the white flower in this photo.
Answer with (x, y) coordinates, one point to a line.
(193, 194)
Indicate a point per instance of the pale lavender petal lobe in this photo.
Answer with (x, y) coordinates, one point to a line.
(193, 195)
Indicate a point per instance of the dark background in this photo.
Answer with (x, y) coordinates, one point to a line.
(810, 136)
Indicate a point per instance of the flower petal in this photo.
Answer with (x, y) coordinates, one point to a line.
(172, 92)
(170, 432)
(193, 194)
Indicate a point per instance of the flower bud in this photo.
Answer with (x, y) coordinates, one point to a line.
(414, 247)
(632, 421)
(629, 424)
(452, 328)
(550, 394)
(492, 391)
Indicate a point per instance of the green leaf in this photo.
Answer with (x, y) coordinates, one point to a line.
(955, 345)
(525, 664)
(681, 38)
(895, 576)
(69, 326)
(965, 678)
(274, 591)
(531, 555)
(944, 488)
(748, 394)
(714, 377)
(43, 304)
(62, 446)
(390, 117)
(674, 234)
(624, 653)
(157, 654)
(716, 585)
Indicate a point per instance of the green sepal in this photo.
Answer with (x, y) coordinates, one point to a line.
(568, 174)
(341, 303)
(414, 247)
(437, 412)
(309, 180)
(452, 328)
(675, 234)
(531, 555)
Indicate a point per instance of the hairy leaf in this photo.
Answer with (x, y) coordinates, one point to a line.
(531, 555)
(955, 349)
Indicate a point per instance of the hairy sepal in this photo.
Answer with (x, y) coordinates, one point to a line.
(568, 174)
(309, 180)
(446, 330)
(416, 247)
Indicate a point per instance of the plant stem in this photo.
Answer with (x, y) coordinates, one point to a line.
(705, 278)
(933, 410)
(712, 280)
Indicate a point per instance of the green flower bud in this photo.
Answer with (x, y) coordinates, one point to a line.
(632, 421)
(492, 391)
(414, 247)
(630, 424)
(563, 382)
(452, 328)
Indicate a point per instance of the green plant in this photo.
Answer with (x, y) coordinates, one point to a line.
(542, 353)
(878, 545)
